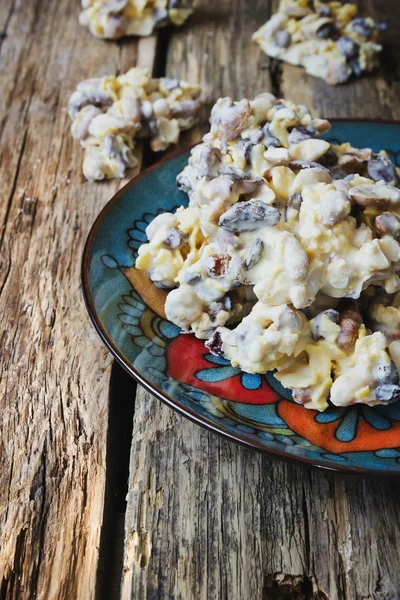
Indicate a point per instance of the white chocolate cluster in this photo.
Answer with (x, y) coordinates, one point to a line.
(328, 39)
(108, 113)
(113, 19)
(287, 256)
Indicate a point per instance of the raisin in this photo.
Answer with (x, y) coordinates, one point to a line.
(246, 146)
(191, 278)
(362, 27)
(328, 31)
(387, 392)
(183, 183)
(329, 159)
(248, 216)
(301, 133)
(386, 373)
(355, 67)
(270, 140)
(174, 239)
(324, 11)
(348, 47)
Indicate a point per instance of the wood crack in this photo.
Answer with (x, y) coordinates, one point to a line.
(4, 32)
(275, 70)
(14, 187)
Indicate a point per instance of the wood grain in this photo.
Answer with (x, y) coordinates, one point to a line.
(54, 371)
(207, 519)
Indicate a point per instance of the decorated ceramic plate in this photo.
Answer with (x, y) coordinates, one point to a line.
(250, 409)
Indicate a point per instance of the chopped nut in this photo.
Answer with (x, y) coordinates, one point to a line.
(348, 333)
(375, 195)
(310, 177)
(231, 118)
(321, 125)
(301, 396)
(218, 264)
(297, 165)
(387, 224)
(334, 207)
(381, 168)
(210, 157)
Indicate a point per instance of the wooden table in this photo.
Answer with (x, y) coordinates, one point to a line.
(204, 518)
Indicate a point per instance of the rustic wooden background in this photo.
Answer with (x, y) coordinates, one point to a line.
(204, 519)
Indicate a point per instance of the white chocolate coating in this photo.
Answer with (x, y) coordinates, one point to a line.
(109, 113)
(113, 19)
(300, 236)
(327, 38)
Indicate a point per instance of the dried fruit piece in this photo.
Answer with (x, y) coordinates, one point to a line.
(386, 373)
(248, 216)
(246, 146)
(214, 344)
(191, 278)
(269, 139)
(387, 392)
(362, 26)
(328, 30)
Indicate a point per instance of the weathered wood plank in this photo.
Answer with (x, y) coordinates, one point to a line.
(208, 519)
(54, 371)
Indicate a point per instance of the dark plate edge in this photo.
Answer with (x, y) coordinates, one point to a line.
(150, 387)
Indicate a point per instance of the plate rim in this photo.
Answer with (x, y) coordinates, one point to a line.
(163, 396)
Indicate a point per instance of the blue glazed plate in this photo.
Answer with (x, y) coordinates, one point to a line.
(253, 410)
